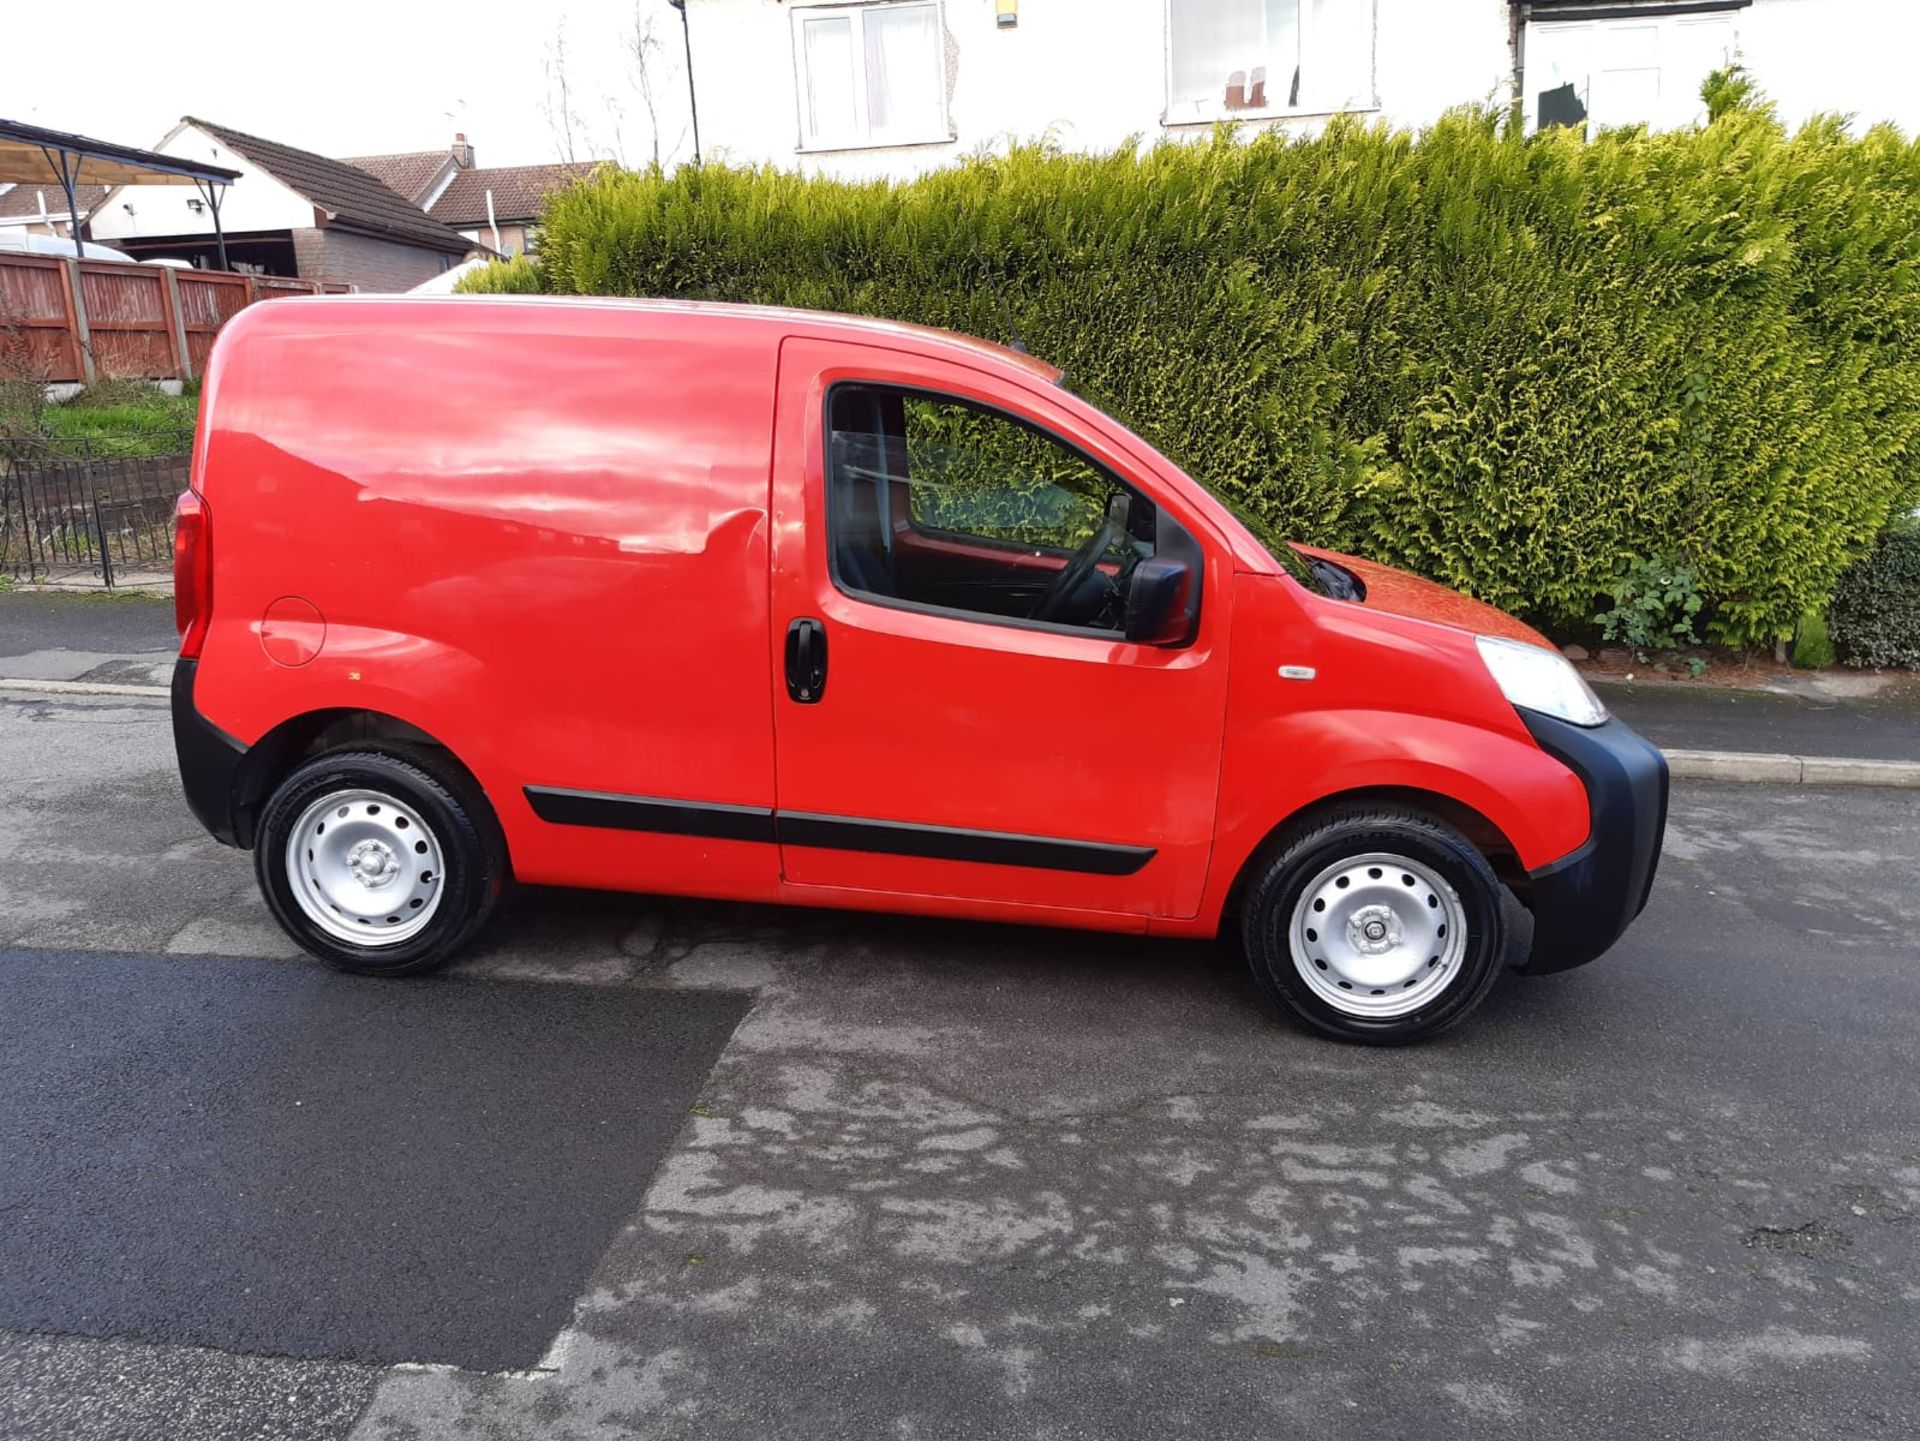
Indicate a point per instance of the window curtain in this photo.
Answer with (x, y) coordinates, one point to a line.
(829, 78)
(1212, 39)
(903, 75)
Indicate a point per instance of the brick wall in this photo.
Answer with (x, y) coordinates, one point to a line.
(513, 238)
(374, 265)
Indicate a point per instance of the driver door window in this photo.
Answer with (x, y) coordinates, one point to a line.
(934, 501)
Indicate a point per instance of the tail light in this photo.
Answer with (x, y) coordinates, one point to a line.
(192, 572)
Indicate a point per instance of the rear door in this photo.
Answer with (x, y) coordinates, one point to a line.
(951, 556)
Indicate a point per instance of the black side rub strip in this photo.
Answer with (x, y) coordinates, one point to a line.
(645, 813)
(951, 843)
(838, 833)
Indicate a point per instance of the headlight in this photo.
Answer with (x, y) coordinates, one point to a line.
(1542, 680)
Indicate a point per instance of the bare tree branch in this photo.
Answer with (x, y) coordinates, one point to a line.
(562, 122)
(643, 52)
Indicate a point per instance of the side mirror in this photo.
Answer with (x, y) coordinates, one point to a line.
(1162, 602)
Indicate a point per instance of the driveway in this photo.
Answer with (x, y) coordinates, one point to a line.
(951, 1180)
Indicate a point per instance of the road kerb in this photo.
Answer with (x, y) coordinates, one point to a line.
(1839, 771)
(1767, 769)
(1772, 769)
(81, 688)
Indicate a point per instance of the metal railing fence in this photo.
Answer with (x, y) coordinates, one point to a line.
(79, 508)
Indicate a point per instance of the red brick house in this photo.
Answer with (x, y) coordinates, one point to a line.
(498, 207)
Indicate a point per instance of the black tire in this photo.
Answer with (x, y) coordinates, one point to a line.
(1280, 879)
(473, 860)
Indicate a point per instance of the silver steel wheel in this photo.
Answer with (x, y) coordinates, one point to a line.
(1378, 935)
(364, 868)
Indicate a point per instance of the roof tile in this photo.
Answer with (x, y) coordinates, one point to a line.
(346, 193)
(519, 192)
(409, 173)
(24, 199)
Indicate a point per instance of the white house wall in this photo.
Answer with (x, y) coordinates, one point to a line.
(256, 201)
(1856, 57)
(1089, 73)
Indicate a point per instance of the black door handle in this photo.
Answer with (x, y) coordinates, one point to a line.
(806, 660)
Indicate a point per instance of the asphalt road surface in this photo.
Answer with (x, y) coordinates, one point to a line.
(950, 1180)
(281, 1160)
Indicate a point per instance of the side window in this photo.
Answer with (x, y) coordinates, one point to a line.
(979, 474)
(936, 501)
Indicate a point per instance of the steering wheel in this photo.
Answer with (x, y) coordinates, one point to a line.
(1079, 566)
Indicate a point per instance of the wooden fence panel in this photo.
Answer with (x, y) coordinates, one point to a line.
(208, 300)
(272, 287)
(129, 312)
(38, 337)
(128, 320)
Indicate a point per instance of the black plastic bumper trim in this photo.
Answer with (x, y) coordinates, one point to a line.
(1583, 902)
(210, 761)
(823, 832)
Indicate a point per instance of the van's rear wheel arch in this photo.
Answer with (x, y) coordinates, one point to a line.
(270, 759)
(382, 858)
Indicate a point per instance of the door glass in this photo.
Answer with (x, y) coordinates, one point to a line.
(936, 501)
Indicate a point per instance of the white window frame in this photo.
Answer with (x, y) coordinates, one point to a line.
(1176, 111)
(862, 137)
(1675, 108)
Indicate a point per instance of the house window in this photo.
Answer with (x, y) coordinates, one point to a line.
(870, 75)
(1639, 70)
(1267, 57)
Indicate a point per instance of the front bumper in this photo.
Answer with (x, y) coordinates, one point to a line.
(1583, 902)
(211, 762)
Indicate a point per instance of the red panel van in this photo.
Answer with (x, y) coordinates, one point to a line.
(777, 606)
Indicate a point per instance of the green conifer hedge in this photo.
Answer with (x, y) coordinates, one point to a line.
(1516, 364)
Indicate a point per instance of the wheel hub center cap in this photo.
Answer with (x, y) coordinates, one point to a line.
(372, 863)
(1374, 930)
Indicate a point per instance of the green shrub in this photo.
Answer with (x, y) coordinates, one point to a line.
(1654, 606)
(1875, 618)
(1812, 646)
(1508, 362)
(513, 276)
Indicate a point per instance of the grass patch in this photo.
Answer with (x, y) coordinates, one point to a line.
(124, 418)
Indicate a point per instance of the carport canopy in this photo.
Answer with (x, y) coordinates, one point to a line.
(29, 154)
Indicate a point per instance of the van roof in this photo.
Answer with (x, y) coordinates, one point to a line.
(817, 323)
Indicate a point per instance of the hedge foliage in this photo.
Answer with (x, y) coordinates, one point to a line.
(1520, 365)
(1876, 608)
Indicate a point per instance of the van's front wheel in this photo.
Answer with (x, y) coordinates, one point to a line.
(1379, 924)
(378, 863)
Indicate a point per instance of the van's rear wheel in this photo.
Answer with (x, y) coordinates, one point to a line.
(1380, 925)
(379, 863)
